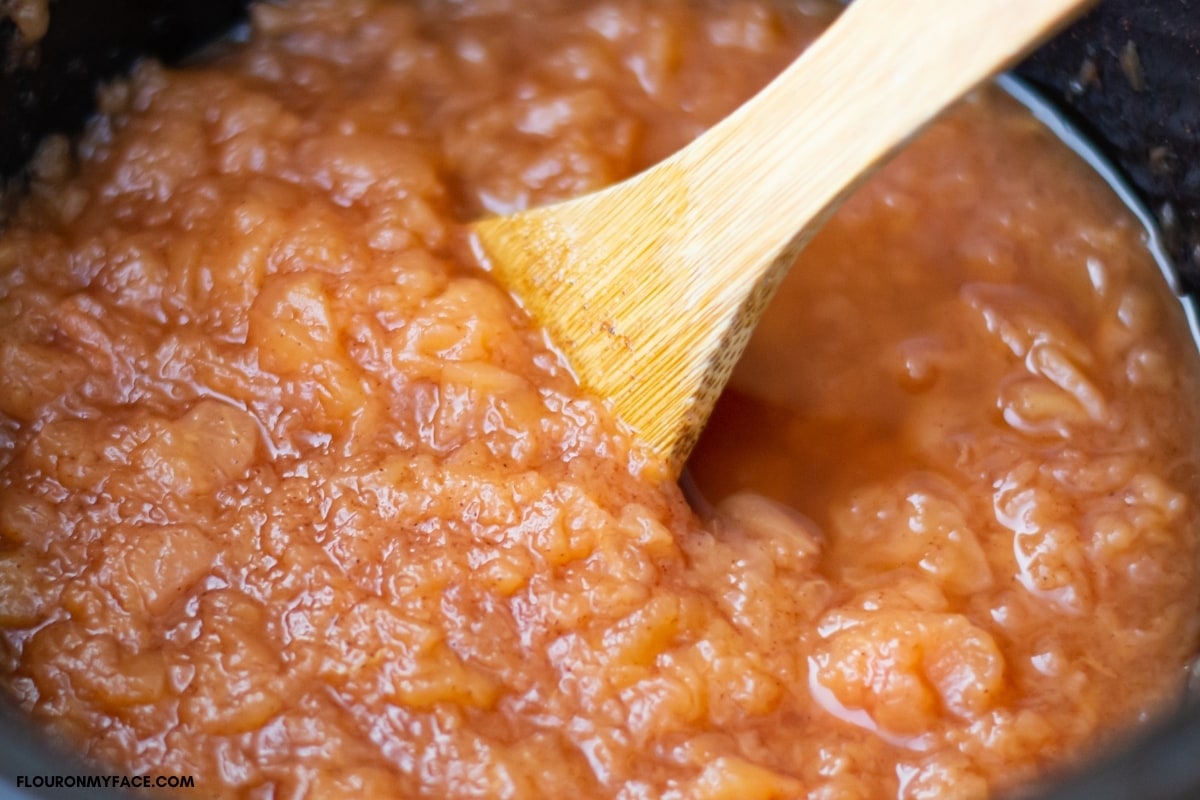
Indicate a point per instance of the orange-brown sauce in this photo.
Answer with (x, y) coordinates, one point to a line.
(957, 387)
(295, 499)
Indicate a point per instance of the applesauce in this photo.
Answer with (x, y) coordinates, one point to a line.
(295, 499)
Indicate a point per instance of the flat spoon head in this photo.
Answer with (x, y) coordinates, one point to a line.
(652, 287)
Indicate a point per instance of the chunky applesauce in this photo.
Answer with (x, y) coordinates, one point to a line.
(295, 499)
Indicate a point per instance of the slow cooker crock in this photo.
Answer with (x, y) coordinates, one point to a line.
(1127, 76)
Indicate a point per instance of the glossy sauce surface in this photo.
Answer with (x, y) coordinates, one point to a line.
(294, 498)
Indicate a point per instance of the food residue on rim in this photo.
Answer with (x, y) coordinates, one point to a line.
(31, 18)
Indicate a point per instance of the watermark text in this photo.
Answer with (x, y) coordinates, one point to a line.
(106, 782)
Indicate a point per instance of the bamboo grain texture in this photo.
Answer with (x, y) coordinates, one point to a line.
(652, 287)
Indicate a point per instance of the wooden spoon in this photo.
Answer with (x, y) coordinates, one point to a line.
(653, 286)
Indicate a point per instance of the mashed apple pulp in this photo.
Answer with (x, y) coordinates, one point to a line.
(294, 499)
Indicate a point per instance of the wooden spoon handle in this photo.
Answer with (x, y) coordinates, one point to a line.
(876, 77)
(757, 186)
